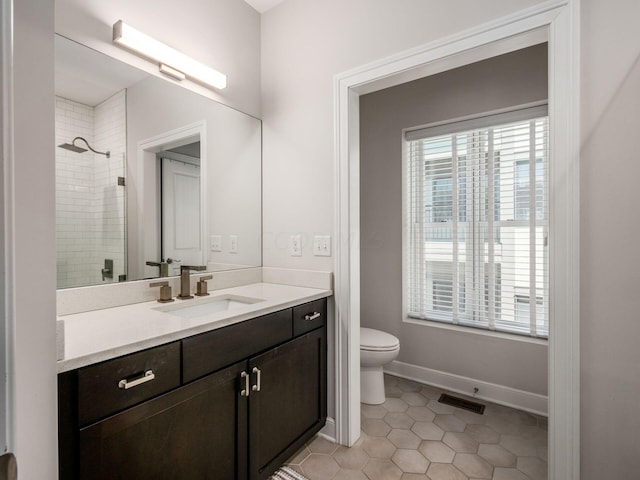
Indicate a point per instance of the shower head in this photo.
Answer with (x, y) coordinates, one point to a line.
(74, 148)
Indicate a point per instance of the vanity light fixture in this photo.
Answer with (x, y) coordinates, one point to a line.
(171, 62)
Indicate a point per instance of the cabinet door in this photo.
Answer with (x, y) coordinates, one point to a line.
(194, 432)
(290, 405)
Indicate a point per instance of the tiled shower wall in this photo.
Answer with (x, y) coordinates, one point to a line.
(109, 132)
(89, 203)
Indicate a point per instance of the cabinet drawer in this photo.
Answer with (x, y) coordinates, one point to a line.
(114, 385)
(214, 350)
(309, 316)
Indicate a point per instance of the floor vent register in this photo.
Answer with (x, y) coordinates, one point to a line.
(462, 403)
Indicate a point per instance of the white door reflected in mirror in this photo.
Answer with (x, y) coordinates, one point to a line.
(181, 229)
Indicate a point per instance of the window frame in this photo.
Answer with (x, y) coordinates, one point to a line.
(456, 320)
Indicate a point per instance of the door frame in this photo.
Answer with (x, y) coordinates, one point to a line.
(146, 158)
(559, 21)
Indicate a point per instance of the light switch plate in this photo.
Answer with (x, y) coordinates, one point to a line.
(295, 246)
(216, 243)
(233, 244)
(322, 245)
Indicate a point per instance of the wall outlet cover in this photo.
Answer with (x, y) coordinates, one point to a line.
(295, 246)
(233, 244)
(216, 243)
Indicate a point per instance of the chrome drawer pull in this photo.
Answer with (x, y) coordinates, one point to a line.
(312, 316)
(245, 391)
(256, 387)
(127, 384)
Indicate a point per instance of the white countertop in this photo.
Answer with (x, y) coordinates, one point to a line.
(99, 335)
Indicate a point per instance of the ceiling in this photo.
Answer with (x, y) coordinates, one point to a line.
(89, 77)
(263, 5)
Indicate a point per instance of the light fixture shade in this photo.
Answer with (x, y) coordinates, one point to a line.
(132, 39)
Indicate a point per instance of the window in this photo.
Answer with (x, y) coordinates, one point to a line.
(476, 253)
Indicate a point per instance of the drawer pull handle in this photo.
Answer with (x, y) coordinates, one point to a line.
(127, 384)
(256, 387)
(245, 391)
(312, 316)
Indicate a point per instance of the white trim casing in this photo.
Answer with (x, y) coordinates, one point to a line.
(7, 322)
(559, 21)
(329, 430)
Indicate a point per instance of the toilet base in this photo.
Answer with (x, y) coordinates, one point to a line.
(372, 386)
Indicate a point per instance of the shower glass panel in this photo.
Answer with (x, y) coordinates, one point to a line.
(90, 193)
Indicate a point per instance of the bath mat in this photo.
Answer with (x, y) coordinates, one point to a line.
(462, 403)
(287, 473)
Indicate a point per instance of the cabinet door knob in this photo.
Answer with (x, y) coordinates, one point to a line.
(125, 384)
(245, 391)
(312, 316)
(256, 387)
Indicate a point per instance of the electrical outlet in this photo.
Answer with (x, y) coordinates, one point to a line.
(295, 246)
(233, 244)
(322, 245)
(216, 243)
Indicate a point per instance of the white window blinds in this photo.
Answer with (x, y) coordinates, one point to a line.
(477, 222)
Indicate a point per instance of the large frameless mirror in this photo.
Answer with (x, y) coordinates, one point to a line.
(149, 175)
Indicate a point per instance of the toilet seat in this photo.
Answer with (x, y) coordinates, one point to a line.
(377, 341)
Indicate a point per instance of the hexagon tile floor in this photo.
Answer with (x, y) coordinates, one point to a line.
(413, 437)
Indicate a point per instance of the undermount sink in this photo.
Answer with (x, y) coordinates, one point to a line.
(206, 306)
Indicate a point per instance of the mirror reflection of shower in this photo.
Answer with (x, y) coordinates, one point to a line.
(90, 190)
(75, 148)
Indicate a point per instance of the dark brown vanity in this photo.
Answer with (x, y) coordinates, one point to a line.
(231, 403)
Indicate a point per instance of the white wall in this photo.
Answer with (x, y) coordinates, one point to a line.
(610, 259)
(223, 34)
(32, 287)
(304, 44)
(508, 80)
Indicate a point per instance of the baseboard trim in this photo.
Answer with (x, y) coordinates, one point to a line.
(328, 432)
(491, 392)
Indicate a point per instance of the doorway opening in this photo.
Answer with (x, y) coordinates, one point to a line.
(556, 23)
(171, 192)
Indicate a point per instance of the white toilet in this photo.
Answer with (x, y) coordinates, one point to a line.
(376, 349)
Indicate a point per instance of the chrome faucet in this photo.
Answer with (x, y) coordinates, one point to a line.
(185, 280)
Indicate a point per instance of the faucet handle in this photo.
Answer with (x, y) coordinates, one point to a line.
(165, 291)
(201, 286)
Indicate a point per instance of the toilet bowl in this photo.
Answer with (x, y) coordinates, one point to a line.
(377, 348)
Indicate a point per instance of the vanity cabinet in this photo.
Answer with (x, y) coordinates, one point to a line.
(187, 433)
(246, 398)
(290, 399)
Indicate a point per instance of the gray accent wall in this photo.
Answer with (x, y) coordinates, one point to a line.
(515, 78)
